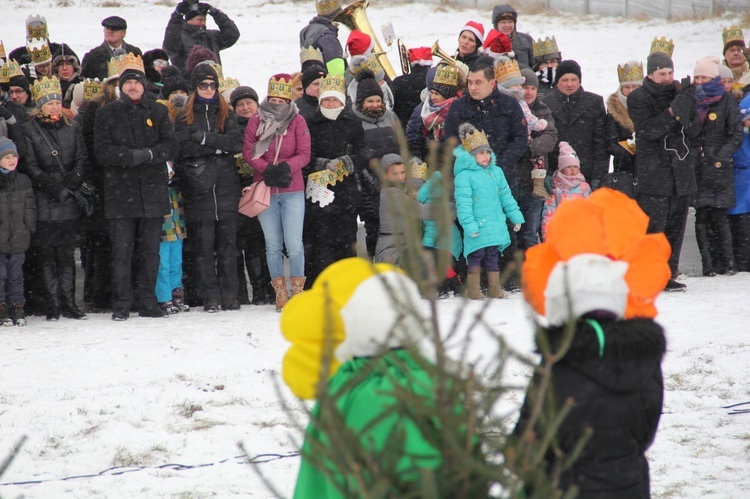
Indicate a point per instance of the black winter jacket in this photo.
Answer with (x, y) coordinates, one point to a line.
(721, 136)
(47, 178)
(134, 190)
(579, 119)
(665, 162)
(407, 91)
(618, 127)
(523, 44)
(217, 195)
(322, 34)
(542, 143)
(94, 63)
(501, 118)
(180, 37)
(307, 106)
(619, 396)
(17, 213)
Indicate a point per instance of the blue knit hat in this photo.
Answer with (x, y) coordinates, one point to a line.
(7, 147)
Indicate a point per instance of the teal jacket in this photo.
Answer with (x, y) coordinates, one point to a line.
(432, 191)
(483, 202)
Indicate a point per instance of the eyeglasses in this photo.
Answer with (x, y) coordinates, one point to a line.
(161, 63)
(17, 92)
(205, 85)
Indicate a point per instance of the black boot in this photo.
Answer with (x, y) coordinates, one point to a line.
(704, 246)
(725, 238)
(5, 319)
(67, 278)
(52, 288)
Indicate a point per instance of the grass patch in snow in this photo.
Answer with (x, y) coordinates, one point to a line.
(186, 409)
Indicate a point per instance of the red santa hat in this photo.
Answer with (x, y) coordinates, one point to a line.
(359, 43)
(421, 56)
(476, 28)
(498, 43)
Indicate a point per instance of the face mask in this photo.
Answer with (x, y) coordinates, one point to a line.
(331, 114)
(178, 100)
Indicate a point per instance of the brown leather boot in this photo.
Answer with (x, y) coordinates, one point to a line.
(494, 290)
(473, 288)
(279, 285)
(298, 285)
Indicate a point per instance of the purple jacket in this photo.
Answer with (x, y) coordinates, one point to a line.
(295, 150)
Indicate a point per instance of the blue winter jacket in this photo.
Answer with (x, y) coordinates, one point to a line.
(483, 202)
(432, 191)
(741, 161)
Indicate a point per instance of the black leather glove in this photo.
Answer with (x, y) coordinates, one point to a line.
(198, 136)
(5, 113)
(71, 181)
(63, 194)
(204, 8)
(141, 156)
(683, 104)
(278, 175)
(183, 8)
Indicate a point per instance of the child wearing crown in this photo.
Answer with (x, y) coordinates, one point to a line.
(569, 183)
(483, 203)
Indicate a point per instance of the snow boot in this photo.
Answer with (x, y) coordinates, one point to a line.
(67, 280)
(52, 288)
(473, 288)
(5, 319)
(494, 290)
(178, 301)
(539, 191)
(17, 314)
(282, 296)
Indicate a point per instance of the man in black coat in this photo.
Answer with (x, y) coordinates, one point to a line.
(134, 139)
(666, 120)
(407, 89)
(183, 33)
(579, 118)
(498, 115)
(94, 64)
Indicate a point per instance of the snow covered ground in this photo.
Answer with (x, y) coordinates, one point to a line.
(165, 401)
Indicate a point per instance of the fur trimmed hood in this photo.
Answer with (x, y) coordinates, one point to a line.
(619, 112)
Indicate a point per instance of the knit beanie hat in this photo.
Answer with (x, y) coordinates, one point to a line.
(240, 93)
(567, 156)
(530, 78)
(566, 67)
(655, 62)
(172, 81)
(390, 159)
(132, 74)
(707, 66)
(474, 141)
(7, 147)
(203, 71)
(476, 29)
(312, 73)
(199, 54)
(725, 72)
(20, 81)
(445, 81)
(367, 86)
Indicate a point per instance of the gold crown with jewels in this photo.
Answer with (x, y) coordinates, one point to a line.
(733, 34)
(474, 139)
(228, 83)
(446, 75)
(36, 27)
(39, 51)
(632, 71)
(662, 45)
(507, 69)
(333, 83)
(3, 56)
(545, 47)
(91, 88)
(117, 65)
(310, 54)
(9, 70)
(370, 63)
(327, 7)
(418, 170)
(280, 88)
(46, 89)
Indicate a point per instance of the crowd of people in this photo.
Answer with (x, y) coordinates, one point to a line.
(140, 159)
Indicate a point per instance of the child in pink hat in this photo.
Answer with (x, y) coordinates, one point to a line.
(569, 184)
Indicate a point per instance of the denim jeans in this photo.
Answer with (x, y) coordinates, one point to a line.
(282, 224)
(169, 276)
(531, 207)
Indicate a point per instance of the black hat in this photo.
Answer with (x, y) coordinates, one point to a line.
(367, 86)
(132, 74)
(203, 71)
(566, 67)
(657, 61)
(148, 63)
(20, 81)
(172, 80)
(530, 78)
(115, 22)
(240, 93)
(312, 73)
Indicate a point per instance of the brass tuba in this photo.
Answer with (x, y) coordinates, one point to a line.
(354, 16)
(442, 54)
(403, 54)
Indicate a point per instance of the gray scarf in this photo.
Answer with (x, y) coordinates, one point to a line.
(274, 120)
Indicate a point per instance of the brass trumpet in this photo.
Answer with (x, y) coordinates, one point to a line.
(442, 54)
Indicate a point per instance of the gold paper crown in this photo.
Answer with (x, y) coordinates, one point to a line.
(113, 66)
(733, 34)
(446, 75)
(91, 88)
(131, 61)
(228, 83)
(662, 45)
(370, 63)
(36, 27)
(545, 47)
(327, 7)
(507, 69)
(418, 170)
(46, 89)
(280, 88)
(474, 139)
(632, 71)
(333, 83)
(310, 54)
(39, 51)
(9, 70)
(3, 56)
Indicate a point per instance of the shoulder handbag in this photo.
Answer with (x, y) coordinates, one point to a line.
(86, 195)
(256, 198)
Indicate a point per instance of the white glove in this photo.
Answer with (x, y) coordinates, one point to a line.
(516, 227)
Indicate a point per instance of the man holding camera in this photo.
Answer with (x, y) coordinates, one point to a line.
(187, 28)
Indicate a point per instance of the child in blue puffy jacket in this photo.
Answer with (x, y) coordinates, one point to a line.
(483, 203)
(739, 216)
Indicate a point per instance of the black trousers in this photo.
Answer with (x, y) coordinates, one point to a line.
(667, 214)
(123, 232)
(11, 277)
(328, 239)
(215, 256)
